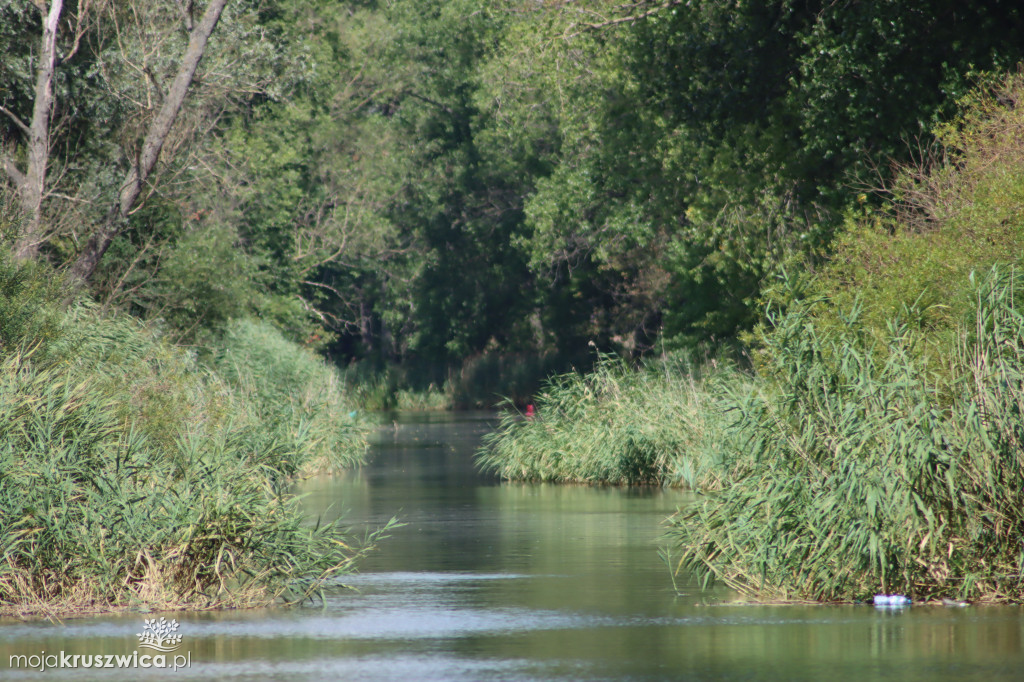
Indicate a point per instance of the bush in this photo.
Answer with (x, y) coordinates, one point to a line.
(960, 210)
(397, 387)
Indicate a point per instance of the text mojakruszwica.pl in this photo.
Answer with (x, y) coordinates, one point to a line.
(44, 661)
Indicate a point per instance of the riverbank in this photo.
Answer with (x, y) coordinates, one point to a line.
(856, 471)
(876, 448)
(481, 381)
(532, 582)
(845, 468)
(135, 474)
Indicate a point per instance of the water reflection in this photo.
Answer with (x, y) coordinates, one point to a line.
(524, 582)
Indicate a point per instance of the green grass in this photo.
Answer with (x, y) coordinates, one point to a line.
(133, 475)
(615, 425)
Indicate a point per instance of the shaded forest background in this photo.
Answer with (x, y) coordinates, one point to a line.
(424, 183)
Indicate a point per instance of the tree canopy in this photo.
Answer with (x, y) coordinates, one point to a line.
(428, 180)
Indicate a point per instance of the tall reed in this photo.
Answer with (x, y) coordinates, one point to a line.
(614, 425)
(859, 472)
(132, 475)
(295, 398)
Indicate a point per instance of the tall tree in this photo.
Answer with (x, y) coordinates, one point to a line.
(142, 167)
(30, 183)
(100, 87)
(714, 142)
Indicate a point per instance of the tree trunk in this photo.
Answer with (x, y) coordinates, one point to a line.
(31, 185)
(143, 165)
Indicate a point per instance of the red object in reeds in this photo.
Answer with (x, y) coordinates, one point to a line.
(529, 411)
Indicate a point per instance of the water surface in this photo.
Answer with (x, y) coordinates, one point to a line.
(530, 582)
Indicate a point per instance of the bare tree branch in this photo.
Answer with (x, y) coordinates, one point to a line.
(443, 107)
(17, 121)
(186, 13)
(81, 26)
(142, 167)
(627, 19)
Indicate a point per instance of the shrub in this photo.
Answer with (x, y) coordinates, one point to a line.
(960, 210)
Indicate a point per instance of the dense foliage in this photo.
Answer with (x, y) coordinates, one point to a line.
(467, 194)
(425, 181)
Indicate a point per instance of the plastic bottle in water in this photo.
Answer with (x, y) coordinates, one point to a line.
(891, 600)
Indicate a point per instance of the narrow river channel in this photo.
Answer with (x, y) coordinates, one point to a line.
(529, 582)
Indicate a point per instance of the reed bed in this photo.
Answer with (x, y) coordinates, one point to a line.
(295, 398)
(133, 476)
(857, 471)
(616, 425)
(387, 390)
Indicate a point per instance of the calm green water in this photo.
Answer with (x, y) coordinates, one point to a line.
(517, 582)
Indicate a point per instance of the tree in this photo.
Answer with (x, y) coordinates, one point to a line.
(30, 183)
(33, 184)
(142, 167)
(716, 142)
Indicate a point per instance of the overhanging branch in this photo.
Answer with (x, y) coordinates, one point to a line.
(628, 19)
(17, 121)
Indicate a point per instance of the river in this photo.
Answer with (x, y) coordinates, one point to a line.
(490, 581)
